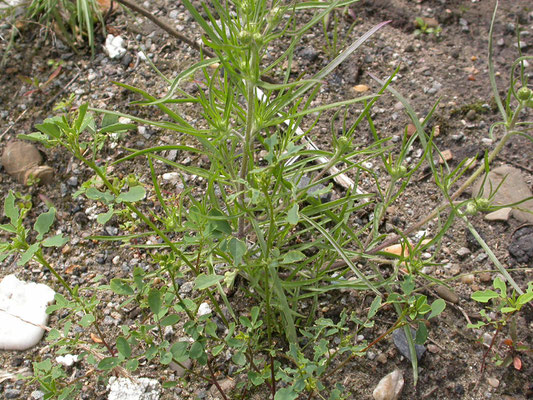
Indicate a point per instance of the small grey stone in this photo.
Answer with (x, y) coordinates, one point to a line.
(186, 288)
(111, 230)
(11, 393)
(481, 257)
(309, 53)
(72, 181)
(173, 14)
(37, 395)
(463, 252)
(126, 60)
(398, 336)
(305, 181)
(471, 115)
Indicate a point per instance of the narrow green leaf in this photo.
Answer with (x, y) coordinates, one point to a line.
(374, 307)
(421, 333)
(135, 193)
(525, 298)
(28, 254)
(499, 284)
(154, 301)
(203, 281)
(10, 209)
(44, 222)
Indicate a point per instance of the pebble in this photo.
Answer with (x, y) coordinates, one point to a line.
(447, 294)
(485, 277)
(11, 393)
(521, 246)
(141, 389)
(468, 278)
(433, 348)
(435, 88)
(370, 355)
(471, 115)
(37, 395)
(389, 387)
(309, 53)
(227, 385)
(493, 382)
(72, 181)
(400, 341)
(173, 14)
(180, 371)
(481, 257)
(115, 260)
(381, 358)
(463, 252)
(204, 309)
(186, 288)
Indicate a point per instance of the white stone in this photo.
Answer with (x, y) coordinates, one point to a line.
(389, 387)
(67, 360)
(140, 389)
(22, 312)
(204, 309)
(114, 46)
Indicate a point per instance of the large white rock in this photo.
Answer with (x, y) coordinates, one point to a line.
(389, 387)
(20, 302)
(126, 389)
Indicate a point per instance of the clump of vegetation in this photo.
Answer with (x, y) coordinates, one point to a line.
(260, 226)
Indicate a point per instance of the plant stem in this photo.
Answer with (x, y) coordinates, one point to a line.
(445, 204)
(247, 149)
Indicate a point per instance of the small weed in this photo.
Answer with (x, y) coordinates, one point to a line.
(424, 29)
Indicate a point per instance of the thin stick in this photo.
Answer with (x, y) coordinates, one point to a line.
(13, 124)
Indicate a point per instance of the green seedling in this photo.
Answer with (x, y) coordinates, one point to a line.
(505, 306)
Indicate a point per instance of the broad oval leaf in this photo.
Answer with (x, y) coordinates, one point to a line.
(135, 193)
(483, 296)
(203, 281)
(437, 307)
(44, 222)
(154, 301)
(123, 347)
(55, 241)
(108, 363)
(119, 286)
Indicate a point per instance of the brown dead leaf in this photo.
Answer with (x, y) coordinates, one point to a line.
(71, 268)
(96, 339)
(361, 88)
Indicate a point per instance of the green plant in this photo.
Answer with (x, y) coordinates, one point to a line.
(504, 308)
(331, 25)
(424, 29)
(256, 226)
